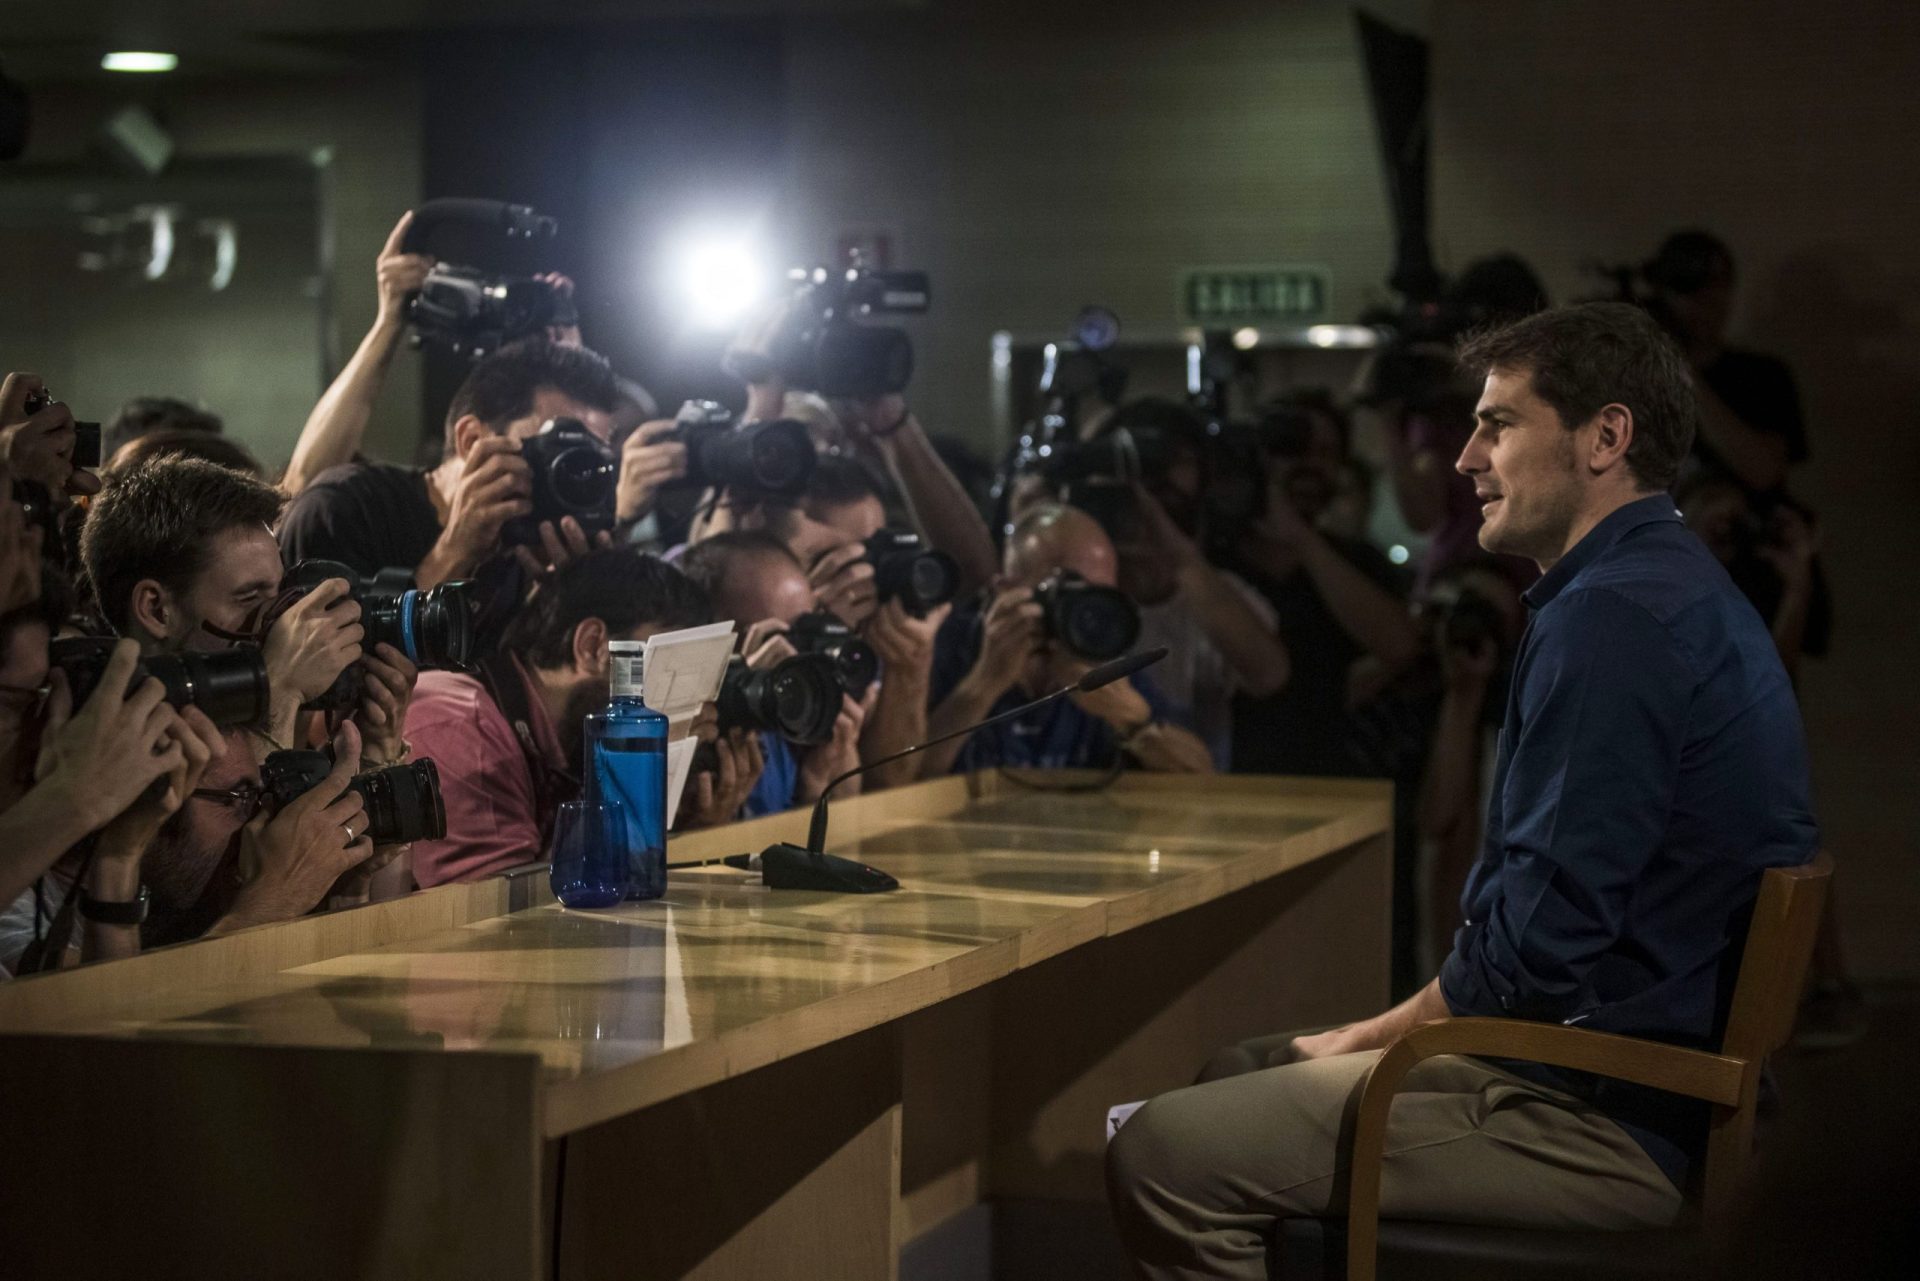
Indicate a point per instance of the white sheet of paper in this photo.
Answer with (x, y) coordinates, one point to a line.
(683, 669)
(1117, 1117)
(679, 760)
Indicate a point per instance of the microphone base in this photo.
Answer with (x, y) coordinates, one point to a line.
(792, 867)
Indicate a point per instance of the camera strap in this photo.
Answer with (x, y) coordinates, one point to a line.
(500, 675)
(46, 950)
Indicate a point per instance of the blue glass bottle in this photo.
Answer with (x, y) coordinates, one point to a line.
(626, 752)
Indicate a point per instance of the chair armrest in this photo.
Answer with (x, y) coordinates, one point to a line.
(1694, 1073)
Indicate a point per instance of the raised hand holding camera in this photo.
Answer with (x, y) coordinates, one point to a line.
(40, 440)
(495, 486)
(291, 857)
(399, 274)
(105, 755)
(309, 645)
(653, 457)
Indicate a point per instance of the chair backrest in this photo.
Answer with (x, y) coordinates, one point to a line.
(1766, 996)
(1773, 967)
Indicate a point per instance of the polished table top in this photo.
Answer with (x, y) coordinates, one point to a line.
(636, 1003)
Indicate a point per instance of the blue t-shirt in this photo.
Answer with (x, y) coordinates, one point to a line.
(1057, 736)
(774, 791)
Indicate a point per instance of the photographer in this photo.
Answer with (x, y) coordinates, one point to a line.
(181, 557)
(445, 521)
(1750, 423)
(1220, 636)
(756, 581)
(881, 430)
(992, 662)
(508, 740)
(1336, 600)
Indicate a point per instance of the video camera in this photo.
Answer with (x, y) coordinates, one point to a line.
(773, 458)
(403, 801)
(229, 685)
(467, 310)
(433, 628)
(821, 344)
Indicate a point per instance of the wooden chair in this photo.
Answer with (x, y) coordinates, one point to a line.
(1772, 976)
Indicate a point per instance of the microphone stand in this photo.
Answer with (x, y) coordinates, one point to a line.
(786, 866)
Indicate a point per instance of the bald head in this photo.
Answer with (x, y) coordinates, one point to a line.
(1056, 537)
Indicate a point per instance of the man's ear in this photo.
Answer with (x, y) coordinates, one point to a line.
(590, 647)
(467, 432)
(1612, 437)
(152, 610)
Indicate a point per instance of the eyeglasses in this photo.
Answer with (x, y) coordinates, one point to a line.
(28, 701)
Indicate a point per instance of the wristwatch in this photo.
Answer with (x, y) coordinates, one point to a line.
(131, 911)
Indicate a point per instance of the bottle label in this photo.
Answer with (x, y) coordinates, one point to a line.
(626, 675)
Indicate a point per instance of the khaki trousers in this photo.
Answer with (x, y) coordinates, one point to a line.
(1199, 1176)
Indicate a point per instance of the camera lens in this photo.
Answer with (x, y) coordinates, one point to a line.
(775, 457)
(1097, 623)
(903, 568)
(403, 803)
(230, 686)
(434, 628)
(583, 480)
(797, 699)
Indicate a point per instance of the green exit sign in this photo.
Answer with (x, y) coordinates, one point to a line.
(1239, 295)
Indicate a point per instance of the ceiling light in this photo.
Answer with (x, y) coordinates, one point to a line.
(138, 60)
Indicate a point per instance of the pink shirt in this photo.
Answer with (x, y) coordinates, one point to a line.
(492, 819)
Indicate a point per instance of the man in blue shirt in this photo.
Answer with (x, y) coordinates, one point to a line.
(1652, 765)
(988, 663)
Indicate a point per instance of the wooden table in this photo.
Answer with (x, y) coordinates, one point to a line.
(730, 1082)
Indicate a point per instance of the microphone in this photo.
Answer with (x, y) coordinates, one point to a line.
(791, 867)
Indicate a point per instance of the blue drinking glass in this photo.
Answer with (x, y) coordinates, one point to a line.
(590, 861)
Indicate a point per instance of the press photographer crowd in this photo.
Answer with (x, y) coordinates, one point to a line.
(230, 698)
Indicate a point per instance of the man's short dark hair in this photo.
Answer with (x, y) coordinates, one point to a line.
(145, 414)
(621, 586)
(501, 388)
(158, 520)
(839, 480)
(709, 561)
(174, 442)
(1596, 354)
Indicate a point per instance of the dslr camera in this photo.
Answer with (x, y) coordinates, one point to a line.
(467, 310)
(1095, 623)
(229, 686)
(907, 570)
(773, 458)
(86, 436)
(798, 698)
(575, 473)
(855, 665)
(822, 344)
(433, 628)
(403, 801)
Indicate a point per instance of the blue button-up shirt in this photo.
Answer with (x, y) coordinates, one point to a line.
(1652, 764)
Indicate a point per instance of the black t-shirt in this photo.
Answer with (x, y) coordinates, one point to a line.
(1761, 393)
(1306, 728)
(369, 516)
